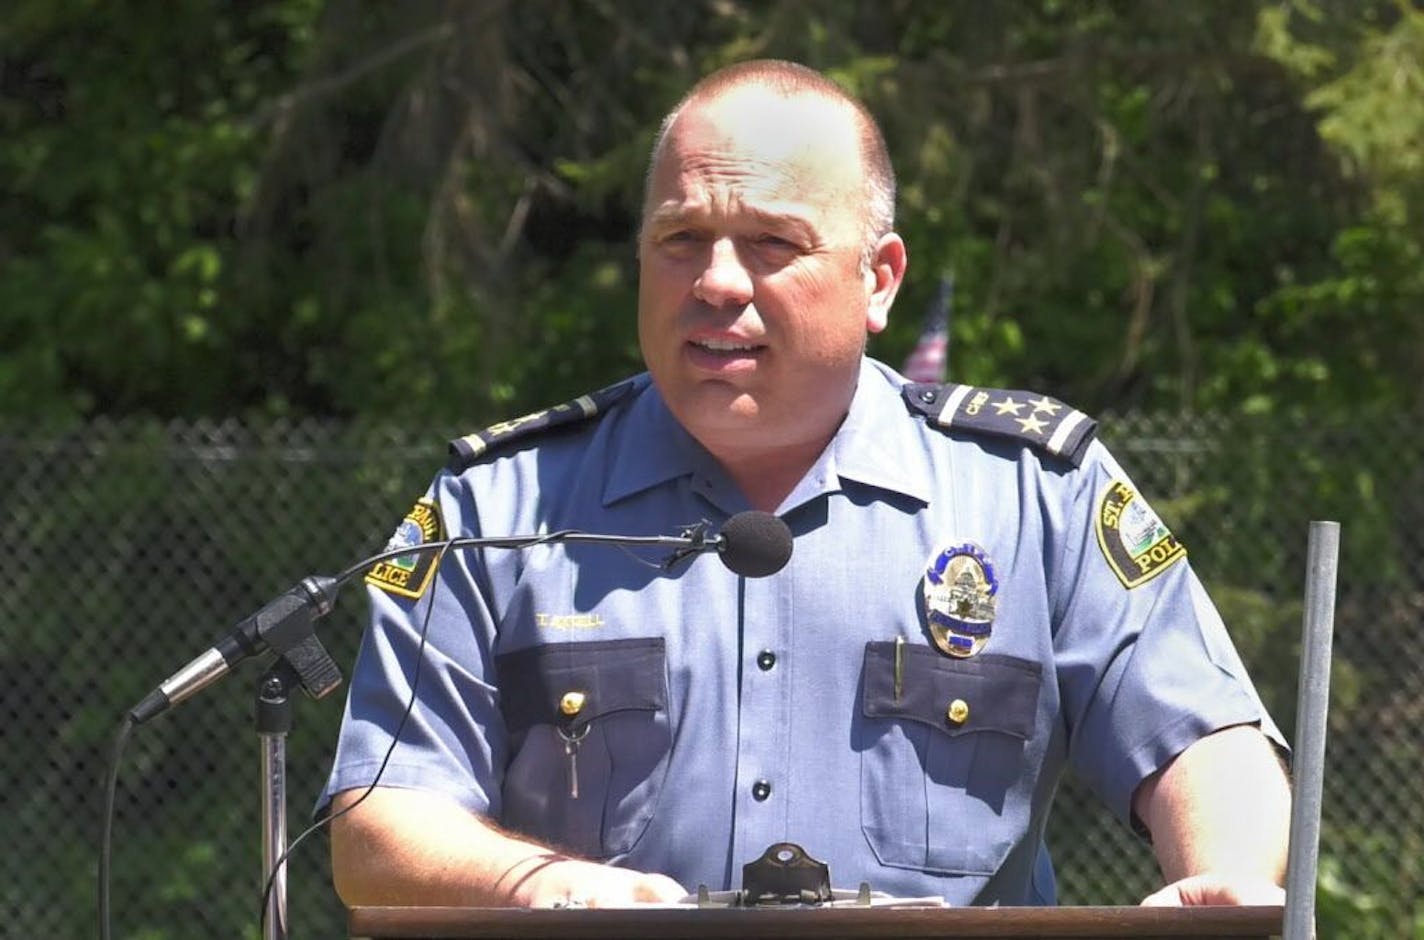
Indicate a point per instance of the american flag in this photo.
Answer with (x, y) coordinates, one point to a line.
(929, 360)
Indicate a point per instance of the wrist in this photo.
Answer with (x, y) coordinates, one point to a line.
(533, 881)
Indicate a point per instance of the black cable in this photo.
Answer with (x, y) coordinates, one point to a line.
(345, 576)
(443, 547)
(624, 542)
(395, 739)
(106, 838)
(111, 778)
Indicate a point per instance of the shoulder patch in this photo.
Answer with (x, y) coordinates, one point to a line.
(409, 575)
(1042, 423)
(1136, 544)
(464, 451)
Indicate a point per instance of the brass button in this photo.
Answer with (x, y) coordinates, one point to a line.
(572, 703)
(957, 712)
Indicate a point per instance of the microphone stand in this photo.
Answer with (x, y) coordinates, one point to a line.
(273, 722)
(287, 627)
(303, 663)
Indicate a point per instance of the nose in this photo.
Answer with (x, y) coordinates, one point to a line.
(725, 282)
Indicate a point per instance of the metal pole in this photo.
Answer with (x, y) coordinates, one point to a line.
(1312, 707)
(274, 720)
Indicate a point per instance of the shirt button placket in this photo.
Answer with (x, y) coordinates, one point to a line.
(763, 742)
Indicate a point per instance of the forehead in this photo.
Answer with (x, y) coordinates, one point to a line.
(754, 146)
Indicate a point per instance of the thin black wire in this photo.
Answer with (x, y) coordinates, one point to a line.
(395, 739)
(106, 838)
(444, 547)
(624, 543)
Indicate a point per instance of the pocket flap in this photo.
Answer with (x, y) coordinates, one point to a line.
(602, 677)
(989, 692)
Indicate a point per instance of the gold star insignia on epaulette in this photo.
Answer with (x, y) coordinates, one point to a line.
(1027, 417)
(1032, 424)
(1008, 406)
(465, 450)
(1045, 403)
(504, 428)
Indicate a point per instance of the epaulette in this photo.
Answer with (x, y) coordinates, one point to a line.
(464, 451)
(1041, 422)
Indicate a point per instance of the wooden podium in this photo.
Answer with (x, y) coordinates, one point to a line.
(430, 923)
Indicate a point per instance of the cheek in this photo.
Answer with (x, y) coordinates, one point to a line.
(660, 290)
(825, 311)
(827, 282)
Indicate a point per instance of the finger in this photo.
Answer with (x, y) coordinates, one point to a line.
(1217, 889)
(658, 888)
(1164, 897)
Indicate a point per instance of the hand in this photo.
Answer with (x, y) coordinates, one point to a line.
(574, 883)
(1217, 888)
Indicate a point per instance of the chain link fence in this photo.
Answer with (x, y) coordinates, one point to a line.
(133, 545)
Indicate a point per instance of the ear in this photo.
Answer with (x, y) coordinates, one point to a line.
(887, 271)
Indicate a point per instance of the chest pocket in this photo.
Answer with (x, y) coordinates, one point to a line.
(942, 771)
(589, 739)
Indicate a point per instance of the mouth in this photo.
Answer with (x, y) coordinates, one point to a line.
(724, 355)
(726, 346)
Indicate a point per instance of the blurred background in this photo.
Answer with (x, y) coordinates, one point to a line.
(258, 260)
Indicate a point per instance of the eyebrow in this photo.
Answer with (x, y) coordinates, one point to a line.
(666, 215)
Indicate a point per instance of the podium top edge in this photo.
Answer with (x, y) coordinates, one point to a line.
(391, 923)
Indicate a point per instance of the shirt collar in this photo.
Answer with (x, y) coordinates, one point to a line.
(880, 444)
(877, 445)
(650, 448)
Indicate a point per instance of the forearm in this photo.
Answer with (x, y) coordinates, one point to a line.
(407, 847)
(1222, 806)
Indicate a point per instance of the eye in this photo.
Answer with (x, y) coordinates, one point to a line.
(776, 250)
(678, 242)
(680, 236)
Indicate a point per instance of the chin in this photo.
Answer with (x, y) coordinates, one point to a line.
(718, 411)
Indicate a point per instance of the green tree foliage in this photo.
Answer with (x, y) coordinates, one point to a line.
(1361, 312)
(428, 210)
(127, 147)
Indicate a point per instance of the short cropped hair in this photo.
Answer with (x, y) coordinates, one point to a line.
(791, 79)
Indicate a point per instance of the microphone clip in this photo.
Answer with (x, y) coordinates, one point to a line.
(697, 543)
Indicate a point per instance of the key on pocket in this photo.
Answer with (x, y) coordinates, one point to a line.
(571, 746)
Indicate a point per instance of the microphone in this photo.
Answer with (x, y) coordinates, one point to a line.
(283, 625)
(752, 544)
(755, 544)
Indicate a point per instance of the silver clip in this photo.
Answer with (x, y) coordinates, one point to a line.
(571, 746)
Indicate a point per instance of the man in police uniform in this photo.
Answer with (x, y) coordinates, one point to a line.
(977, 599)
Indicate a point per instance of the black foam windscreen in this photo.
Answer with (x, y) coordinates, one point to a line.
(755, 544)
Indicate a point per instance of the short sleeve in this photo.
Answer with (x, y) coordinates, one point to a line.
(434, 637)
(1145, 665)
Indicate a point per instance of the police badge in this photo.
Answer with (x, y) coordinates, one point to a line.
(960, 589)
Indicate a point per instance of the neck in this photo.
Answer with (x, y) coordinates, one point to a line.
(768, 462)
(767, 476)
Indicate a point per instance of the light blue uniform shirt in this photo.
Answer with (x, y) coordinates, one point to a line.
(721, 715)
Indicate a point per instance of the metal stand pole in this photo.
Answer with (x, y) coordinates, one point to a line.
(1312, 706)
(274, 720)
